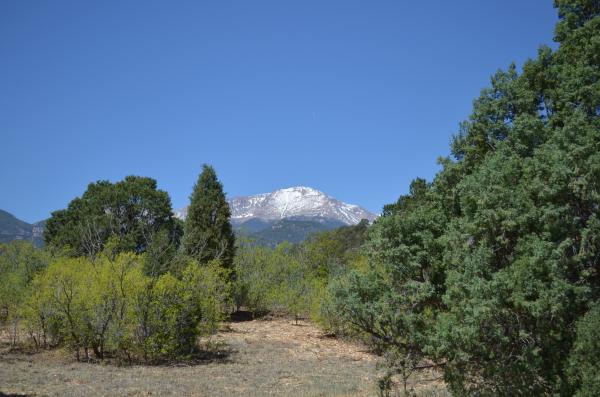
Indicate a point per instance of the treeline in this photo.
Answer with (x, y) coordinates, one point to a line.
(120, 277)
(292, 279)
(491, 272)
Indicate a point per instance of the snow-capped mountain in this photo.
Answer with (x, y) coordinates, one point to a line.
(299, 201)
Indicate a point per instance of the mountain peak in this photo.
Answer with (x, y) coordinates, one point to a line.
(301, 189)
(290, 202)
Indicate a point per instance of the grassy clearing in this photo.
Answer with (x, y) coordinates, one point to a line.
(255, 358)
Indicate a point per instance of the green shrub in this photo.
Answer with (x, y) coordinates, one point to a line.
(83, 303)
(252, 286)
(40, 316)
(274, 280)
(109, 307)
(168, 319)
(293, 290)
(210, 288)
(20, 261)
(172, 312)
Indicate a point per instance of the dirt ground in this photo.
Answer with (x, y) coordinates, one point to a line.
(260, 358)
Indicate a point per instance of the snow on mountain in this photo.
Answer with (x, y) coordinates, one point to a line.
(292, 202)
(180, 213)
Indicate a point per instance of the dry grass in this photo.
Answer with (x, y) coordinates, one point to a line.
(259, 358)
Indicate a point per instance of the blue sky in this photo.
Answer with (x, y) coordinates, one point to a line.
(355, 98)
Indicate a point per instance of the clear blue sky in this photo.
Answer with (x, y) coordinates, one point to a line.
(355, 98)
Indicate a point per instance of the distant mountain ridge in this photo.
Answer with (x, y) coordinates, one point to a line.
(298, 201)
(12, 228)
(290, 214)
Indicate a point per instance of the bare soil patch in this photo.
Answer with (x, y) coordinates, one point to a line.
(260, 358)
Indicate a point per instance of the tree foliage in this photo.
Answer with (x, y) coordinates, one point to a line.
(272, 280)
(20, 261)
(207, 233)
(292, 278)
(131, 212)
(486, 270)
(584, 368)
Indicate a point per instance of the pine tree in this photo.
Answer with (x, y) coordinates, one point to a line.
(207, 232)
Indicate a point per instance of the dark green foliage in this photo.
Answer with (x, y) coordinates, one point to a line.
(574, 14)
(393, 304)
(487, 270)
(584, 366)
(207, 232)
(171, 313)
(350, 238)
(130, 212)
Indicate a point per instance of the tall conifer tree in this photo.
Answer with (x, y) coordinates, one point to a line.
(207, 232)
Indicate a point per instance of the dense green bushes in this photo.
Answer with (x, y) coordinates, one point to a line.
(272, 280)
(293, 279)
(490, 270)
(172, 312)
(19, 263)
(109, 307)
(144, 307)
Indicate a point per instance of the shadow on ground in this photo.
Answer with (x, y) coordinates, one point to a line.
(241, 316)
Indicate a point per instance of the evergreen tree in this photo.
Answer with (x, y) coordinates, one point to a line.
(207, 232)
(491, 270)
(130, 212)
